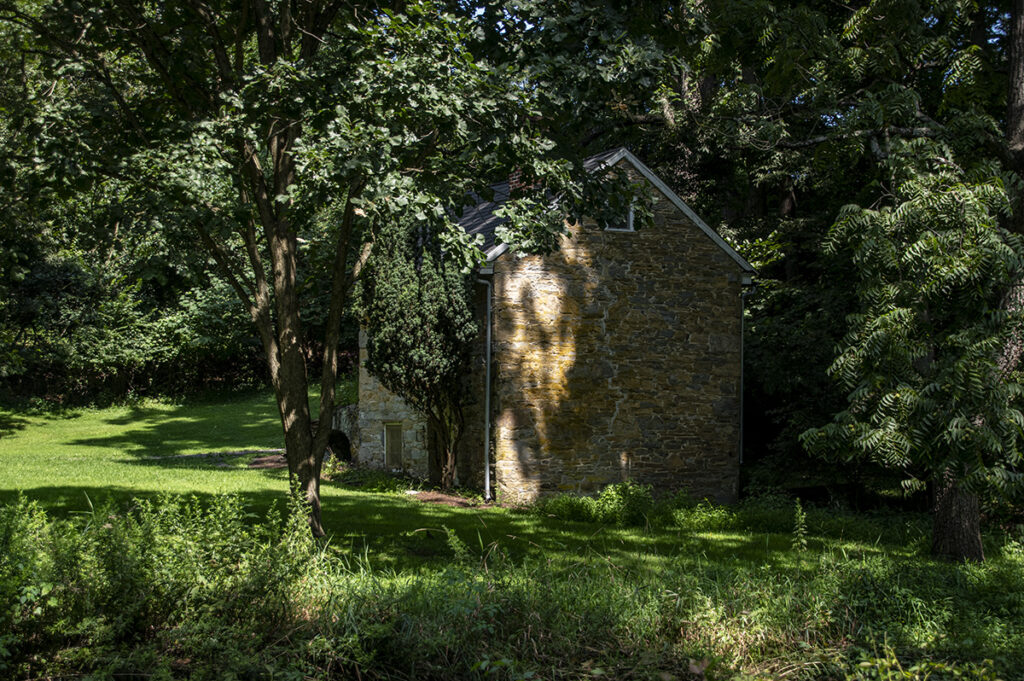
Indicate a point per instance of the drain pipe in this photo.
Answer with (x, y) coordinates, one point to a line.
(749, 288)
(487, 397)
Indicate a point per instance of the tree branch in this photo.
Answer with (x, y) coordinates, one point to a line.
(891, 130)
(219, 47)
(223, 260)
(339, 295)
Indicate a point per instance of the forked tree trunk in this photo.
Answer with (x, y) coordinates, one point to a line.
(304, 467)
(956, 521)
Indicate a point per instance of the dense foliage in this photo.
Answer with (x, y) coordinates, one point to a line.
(175, 589)
(149, 145)
(931, 394)
(282, 141)
(774, 117)
(417, 307)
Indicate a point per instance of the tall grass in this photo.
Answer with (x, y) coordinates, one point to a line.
(175, 589)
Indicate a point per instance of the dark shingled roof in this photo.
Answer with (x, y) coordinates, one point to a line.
(480, 219)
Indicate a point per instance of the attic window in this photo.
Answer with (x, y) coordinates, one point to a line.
(627, 226)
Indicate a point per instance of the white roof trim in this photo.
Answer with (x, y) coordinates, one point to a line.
(496, 251)
(624, 153)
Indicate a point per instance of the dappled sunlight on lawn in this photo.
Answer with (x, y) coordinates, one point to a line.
(180, 430)
(126, 453)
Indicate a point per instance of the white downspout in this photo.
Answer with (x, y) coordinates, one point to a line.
(487, 397)
(748, 285)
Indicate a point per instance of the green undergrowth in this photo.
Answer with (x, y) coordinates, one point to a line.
(629, 504)
(136, 541)
(177, 588)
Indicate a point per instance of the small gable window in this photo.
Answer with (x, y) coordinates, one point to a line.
(625, 226)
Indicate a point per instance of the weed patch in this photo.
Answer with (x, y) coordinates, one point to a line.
(178, 588)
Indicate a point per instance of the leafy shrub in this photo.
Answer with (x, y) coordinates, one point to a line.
(182, 589)
(705, 517)
(568, 507)
(372, 479)
(627, 503)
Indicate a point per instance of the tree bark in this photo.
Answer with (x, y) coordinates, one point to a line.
(442, 450)
(1015, 105)
(956, 521)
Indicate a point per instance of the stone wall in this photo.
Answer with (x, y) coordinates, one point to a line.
(618, 357)
(378, 407)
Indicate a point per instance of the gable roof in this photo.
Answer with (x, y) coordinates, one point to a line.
(480, 219)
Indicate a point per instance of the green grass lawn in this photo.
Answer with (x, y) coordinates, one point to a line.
(73, 460)
(732, 584)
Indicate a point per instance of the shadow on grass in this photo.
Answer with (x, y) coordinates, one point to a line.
(154, 433)
(148, 432)
(396, 532)
(10, 422)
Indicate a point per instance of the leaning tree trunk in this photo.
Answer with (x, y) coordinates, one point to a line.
(956, 521)
(284, 344)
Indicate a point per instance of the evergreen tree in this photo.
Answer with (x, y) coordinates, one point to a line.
(419, 319)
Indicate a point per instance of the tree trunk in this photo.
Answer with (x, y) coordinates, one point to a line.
(304, 461)
(442, 453)
(307, 483)
(956, 518)
(1015, 107)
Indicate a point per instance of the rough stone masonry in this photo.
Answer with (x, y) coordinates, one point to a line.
(617, 357)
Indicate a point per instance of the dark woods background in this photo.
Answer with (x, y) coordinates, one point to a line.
(767, 117)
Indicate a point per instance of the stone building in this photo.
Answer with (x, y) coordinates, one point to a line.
(617, 357)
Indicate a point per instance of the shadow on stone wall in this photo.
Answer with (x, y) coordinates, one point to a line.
(616, 358)
(558, 394)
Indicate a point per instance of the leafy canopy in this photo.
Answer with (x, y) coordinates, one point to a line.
(924, 357)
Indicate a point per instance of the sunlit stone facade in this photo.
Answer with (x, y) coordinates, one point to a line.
(616, 357)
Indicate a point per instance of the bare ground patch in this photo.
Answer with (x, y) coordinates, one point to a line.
(432, 497)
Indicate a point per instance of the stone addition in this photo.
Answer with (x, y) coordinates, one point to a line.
(616, 357)
(379, 408)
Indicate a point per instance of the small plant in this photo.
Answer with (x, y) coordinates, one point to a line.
(624, 503)
(799, 527)
(568, 507)
(706, 516)
(460, 550)
(884, 665)
(333, 467)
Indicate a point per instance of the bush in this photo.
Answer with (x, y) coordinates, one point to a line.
(627, 503)
(180, 589)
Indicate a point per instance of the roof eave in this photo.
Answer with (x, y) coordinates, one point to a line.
(624, 153)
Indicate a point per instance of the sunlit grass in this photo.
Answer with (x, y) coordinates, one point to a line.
(729, 581)
(71, 461)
